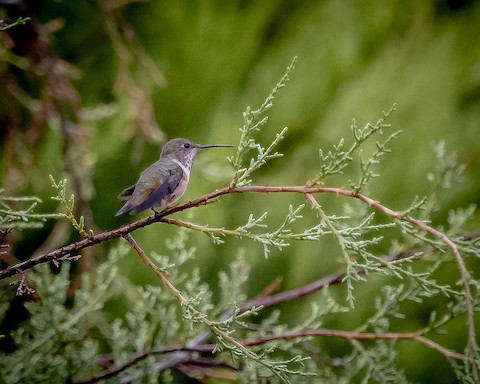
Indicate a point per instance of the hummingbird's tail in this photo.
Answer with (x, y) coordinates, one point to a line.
(127, 207)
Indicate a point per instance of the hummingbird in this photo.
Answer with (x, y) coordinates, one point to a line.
(166, 180)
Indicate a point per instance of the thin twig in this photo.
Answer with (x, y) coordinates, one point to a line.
(220, 334)
(416, 336)
(142, 356)
(349, 335)
(153, 266)
(317, 285)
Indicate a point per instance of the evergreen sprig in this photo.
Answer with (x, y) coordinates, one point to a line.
(19, 21)
(69, 205)
(335, 160)
(253, 120)
(55, 342)
(13, 217)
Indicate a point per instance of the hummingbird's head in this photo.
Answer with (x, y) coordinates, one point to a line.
(179, 148)
(184, 150)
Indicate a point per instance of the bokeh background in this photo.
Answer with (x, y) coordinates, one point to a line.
(91, 89)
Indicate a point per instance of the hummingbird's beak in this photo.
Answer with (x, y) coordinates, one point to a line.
(213, 145)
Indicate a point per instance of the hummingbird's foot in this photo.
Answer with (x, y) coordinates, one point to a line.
(156, 213)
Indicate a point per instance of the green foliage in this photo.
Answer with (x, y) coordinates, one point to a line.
(336, 160)
(363, 243)
(60, 340)
(56, 342)
(16, 217)
(253, 122)
(69, 205)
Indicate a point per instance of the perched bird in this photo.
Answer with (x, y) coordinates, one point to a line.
(166, 180)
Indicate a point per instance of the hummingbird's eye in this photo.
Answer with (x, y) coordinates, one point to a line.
(186, 145)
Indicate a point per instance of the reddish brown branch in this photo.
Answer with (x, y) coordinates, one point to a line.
(226, 338)
(355, 335)
(162, 274)
(120, 232)
(142, 356)
(317, 285)
(107, 235)
(422, 225)
(184, 354)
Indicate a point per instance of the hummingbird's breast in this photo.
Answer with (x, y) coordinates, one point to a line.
(178, 192)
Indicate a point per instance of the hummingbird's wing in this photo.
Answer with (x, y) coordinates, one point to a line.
(127, 193)
(156, 184)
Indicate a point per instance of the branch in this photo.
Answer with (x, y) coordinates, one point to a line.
(183, 354)
(210, 348)
(160, 217)
(350, 335)
(317, 285)
(305, 190)
(162, 274)
(223, 337)
(142, 356)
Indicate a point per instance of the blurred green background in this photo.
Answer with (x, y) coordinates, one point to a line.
(112, 80)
